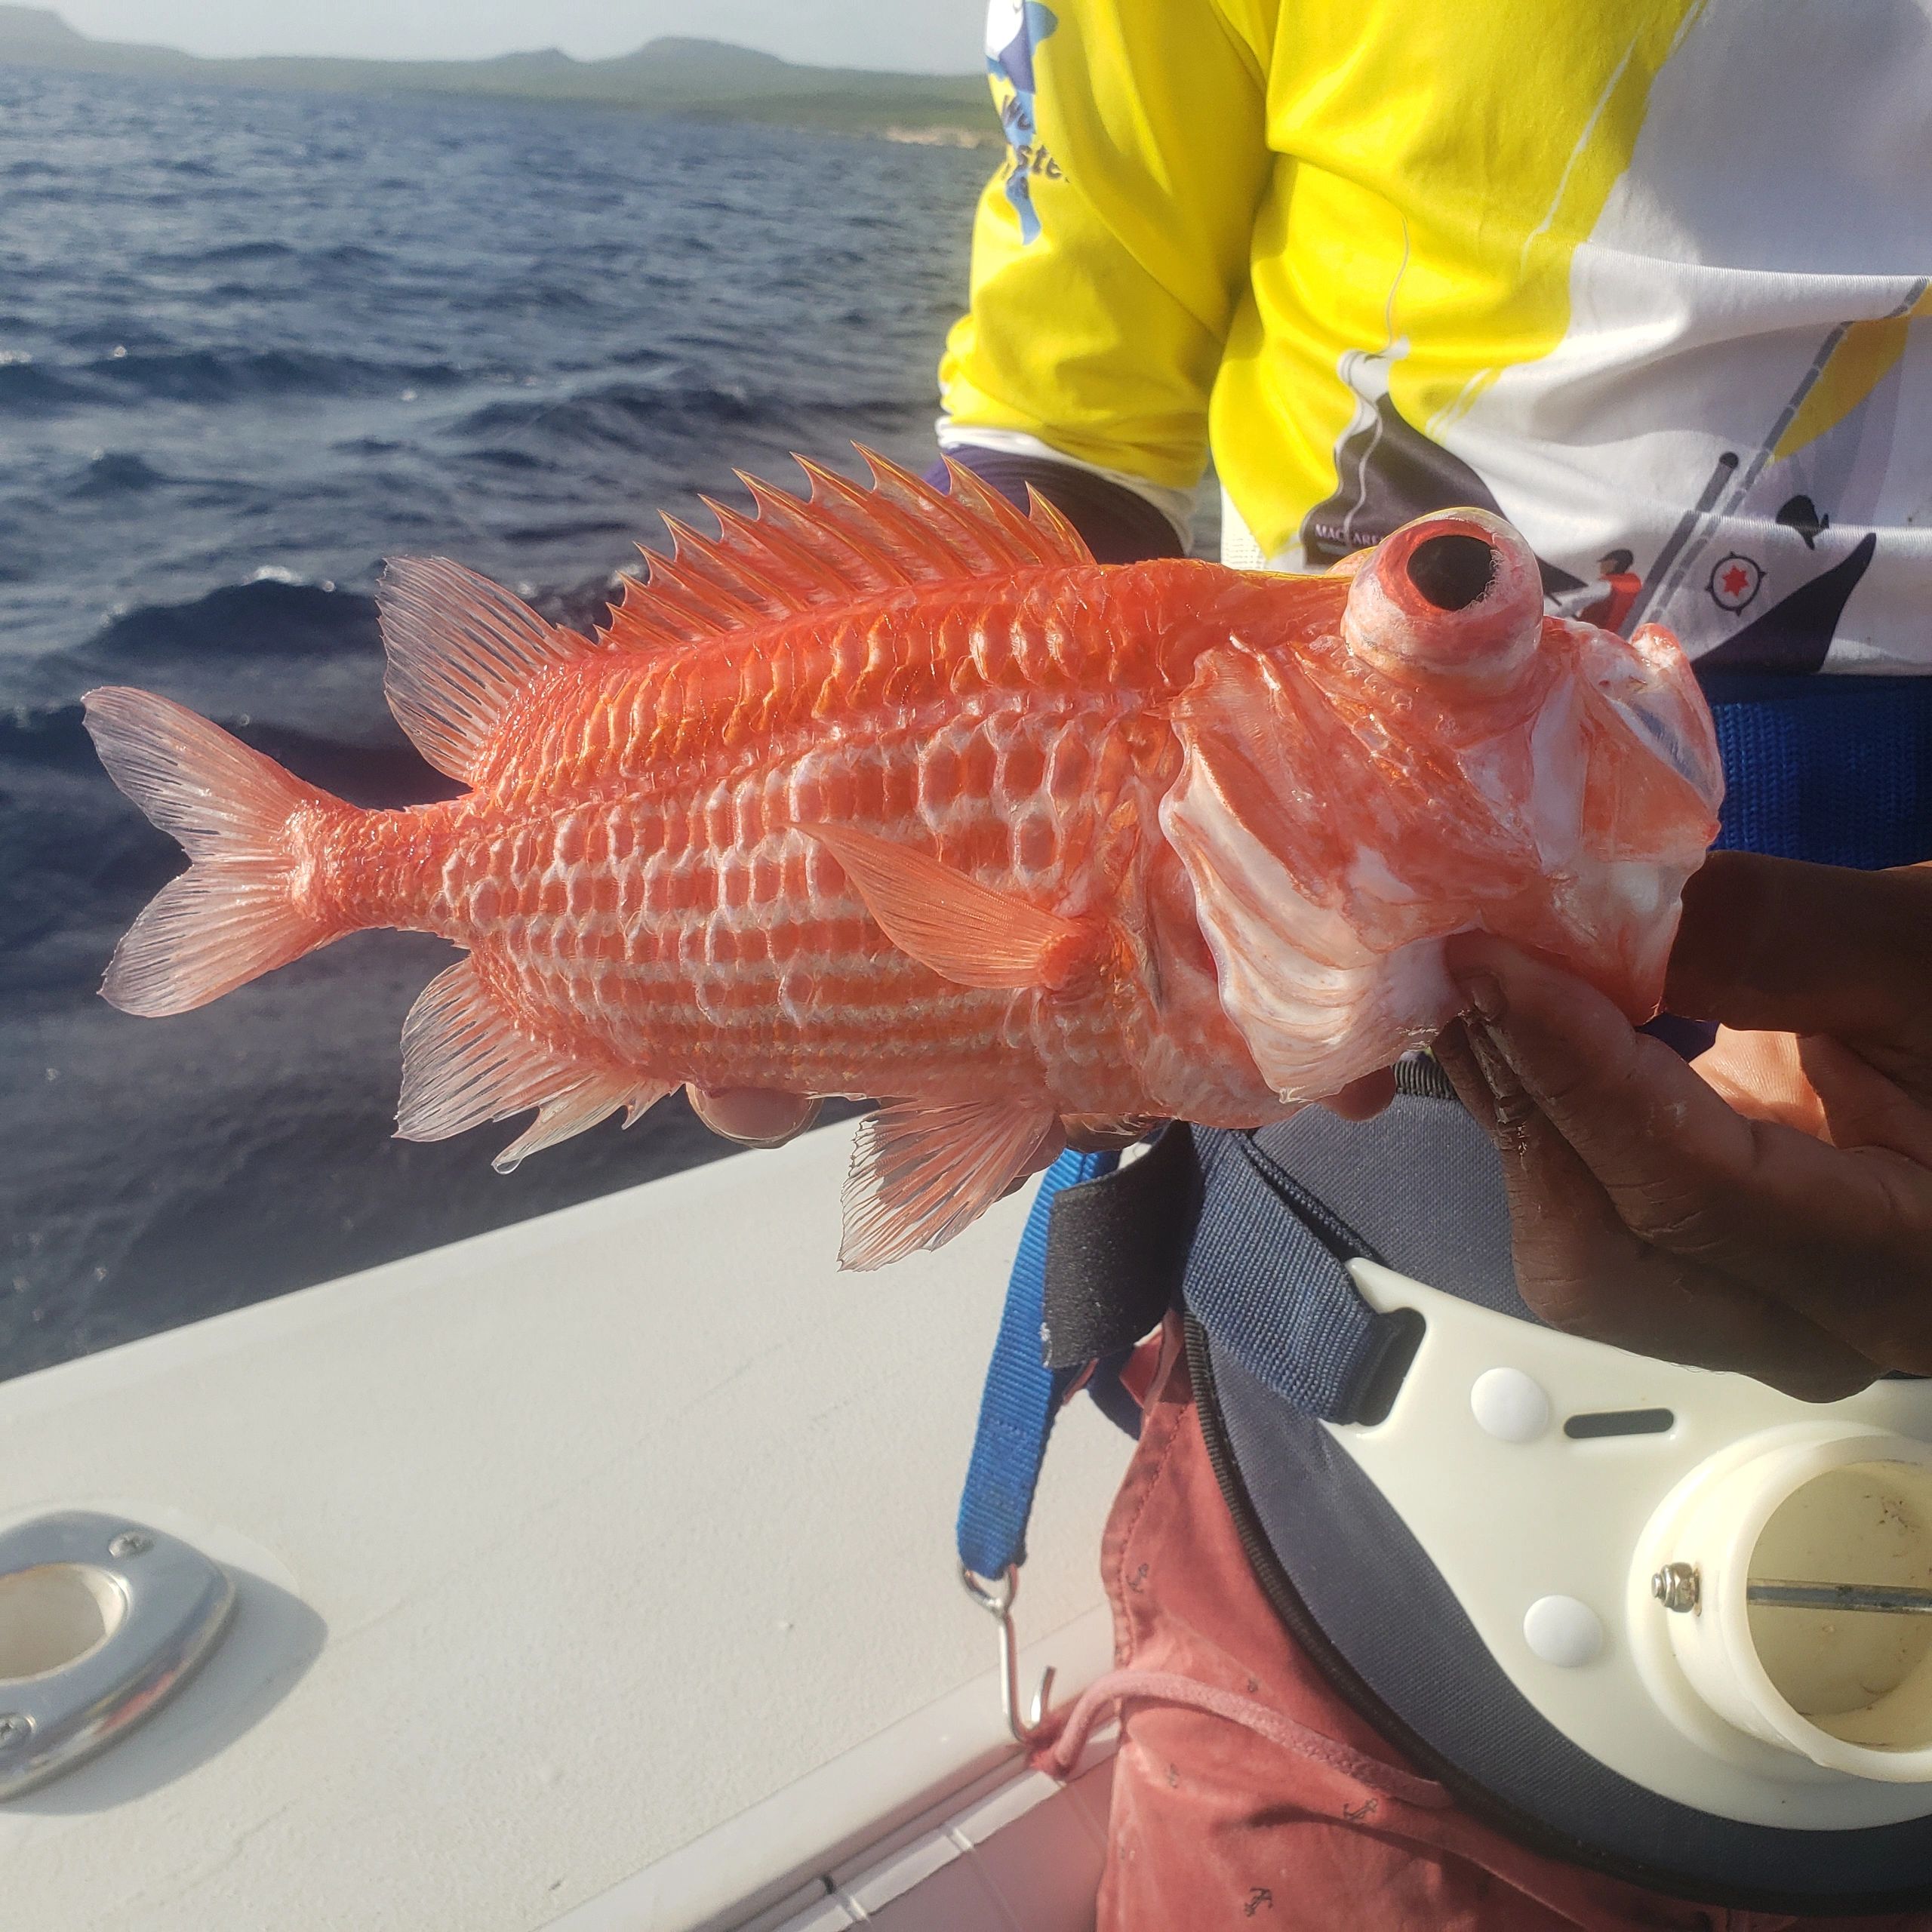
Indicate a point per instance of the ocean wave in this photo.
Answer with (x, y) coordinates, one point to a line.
(222, 254)
(28, 387)
(266, 616)
(584, 342)
(220, 375)
(629, 414)
(208, 650)
(130, 376)
(116, 473)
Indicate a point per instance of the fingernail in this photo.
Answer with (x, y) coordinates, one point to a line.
(1484, 992)
(1513, 1104)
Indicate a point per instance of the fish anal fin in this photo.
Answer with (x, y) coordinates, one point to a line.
(465, 1061)
(460, 650)
(596, 1095)
(970, 934)
(920, 1174)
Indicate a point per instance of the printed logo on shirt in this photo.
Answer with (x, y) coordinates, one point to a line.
(1777, 606)
(1014, 29)
(1735, 581)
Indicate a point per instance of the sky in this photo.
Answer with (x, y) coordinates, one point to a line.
(906, 36)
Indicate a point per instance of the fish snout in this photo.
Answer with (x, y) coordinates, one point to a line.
(1456, 595)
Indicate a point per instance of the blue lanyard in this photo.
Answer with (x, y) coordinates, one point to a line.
(1021, 1397)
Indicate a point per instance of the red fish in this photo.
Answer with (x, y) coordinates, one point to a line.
(898, 794)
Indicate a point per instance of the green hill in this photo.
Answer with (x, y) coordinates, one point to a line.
(704, 79)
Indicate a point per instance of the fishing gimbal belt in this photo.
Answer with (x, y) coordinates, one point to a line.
(1537, 1564)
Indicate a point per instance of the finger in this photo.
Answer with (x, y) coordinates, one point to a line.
(1778, 947)
(1579, 1269)
(1364, 1099)
(1761, 1074)
(1457, 1059)
(754, 1115)
(1860, 1107)
(1845, 1238)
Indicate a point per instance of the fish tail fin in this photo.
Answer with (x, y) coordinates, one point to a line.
(234, 913)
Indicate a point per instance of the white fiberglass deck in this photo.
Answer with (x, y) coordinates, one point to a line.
(558, 1550)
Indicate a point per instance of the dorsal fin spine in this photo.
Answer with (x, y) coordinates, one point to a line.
(787, 513)
(633, 626)
(877, 505)
(712, 563)
(1042, 511)
(845, 542)
(775, 543)
(831, 496)
(966, 534)
(980, 496)
(727, 608)
(688, 615)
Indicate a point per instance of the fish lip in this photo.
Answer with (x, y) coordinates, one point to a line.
(1484, 641)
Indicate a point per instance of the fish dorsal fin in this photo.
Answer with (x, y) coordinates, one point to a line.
(464, 1062)
(970, 934)
(843, 543)
(460, 648)
(921, 1174)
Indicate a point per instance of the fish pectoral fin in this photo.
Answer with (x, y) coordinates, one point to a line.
(460, 648)
(970, 934)
(921, 1173)
(465, 1061)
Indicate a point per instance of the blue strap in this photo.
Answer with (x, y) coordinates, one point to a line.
(1835, 769)
(1022, 1396)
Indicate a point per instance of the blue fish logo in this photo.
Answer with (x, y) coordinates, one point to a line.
(1014, 29)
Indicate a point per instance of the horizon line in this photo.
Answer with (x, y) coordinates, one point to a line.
(54, 13)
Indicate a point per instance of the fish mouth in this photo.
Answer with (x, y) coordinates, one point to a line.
(1453, 597)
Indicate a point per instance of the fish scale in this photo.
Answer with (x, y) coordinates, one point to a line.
(896, 794)
(651, 1011)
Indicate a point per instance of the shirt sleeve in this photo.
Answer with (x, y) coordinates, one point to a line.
(1110, 249)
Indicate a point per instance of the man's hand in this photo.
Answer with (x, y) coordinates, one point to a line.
(1649, 1213)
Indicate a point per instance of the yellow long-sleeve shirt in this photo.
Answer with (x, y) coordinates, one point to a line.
(1644, 276)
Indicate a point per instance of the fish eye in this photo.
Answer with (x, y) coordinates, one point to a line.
(1456, 595)
(1451, 572)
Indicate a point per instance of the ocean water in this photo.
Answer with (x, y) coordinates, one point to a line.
(250, 344)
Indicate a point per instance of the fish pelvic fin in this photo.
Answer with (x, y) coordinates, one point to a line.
(465, 1061)
(460, 651)
(844, 542)
(973, 935)
(236, 913)
(920, 1174)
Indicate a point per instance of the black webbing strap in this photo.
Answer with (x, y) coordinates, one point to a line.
(1253, 1232)
(1116, 1249)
